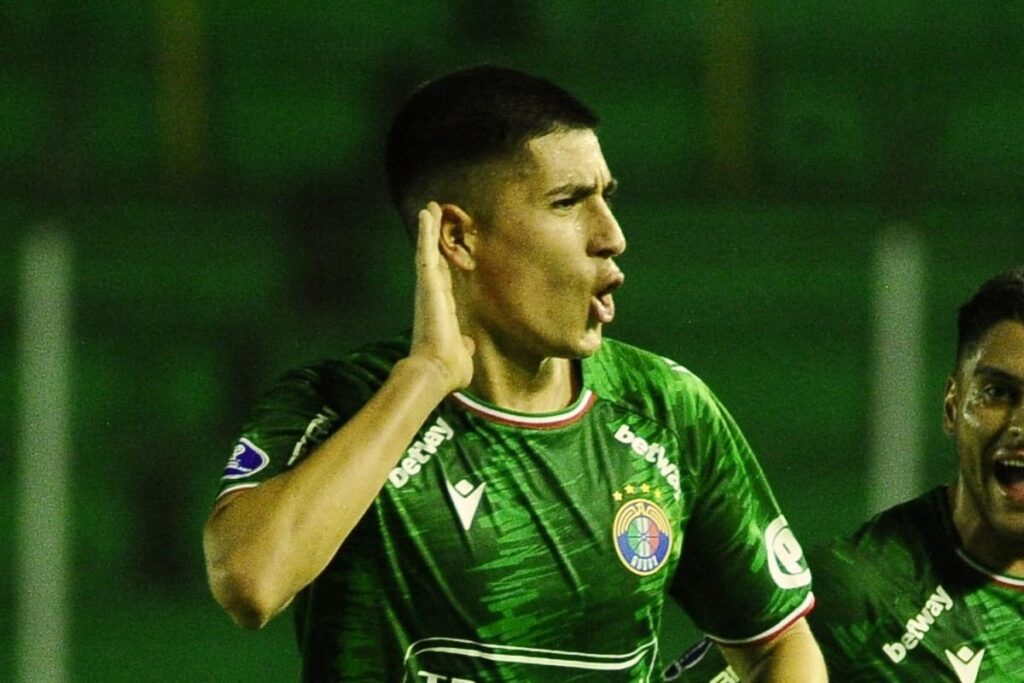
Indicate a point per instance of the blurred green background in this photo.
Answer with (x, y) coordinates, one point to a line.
(217, 170)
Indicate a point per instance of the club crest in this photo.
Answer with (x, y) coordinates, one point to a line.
(643, 536)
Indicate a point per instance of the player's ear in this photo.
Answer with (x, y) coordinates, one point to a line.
(458, 236)
(949, 406)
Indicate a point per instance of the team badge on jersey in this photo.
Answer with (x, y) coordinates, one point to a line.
(246, 460)
(643, 536)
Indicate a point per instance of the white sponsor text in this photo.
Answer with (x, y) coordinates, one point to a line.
(653, 453)
(418, 454)
(919, 625)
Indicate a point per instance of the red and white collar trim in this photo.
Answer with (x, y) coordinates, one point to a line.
(1005, 581)
(527, 420)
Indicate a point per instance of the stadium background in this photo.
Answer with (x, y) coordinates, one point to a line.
(794, 175)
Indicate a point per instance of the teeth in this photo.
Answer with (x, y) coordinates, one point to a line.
(1016, 462)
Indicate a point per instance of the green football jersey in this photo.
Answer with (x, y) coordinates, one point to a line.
(523, 547)
(901, 601)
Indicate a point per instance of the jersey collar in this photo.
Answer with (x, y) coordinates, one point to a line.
(492, 413)
(1014, 582)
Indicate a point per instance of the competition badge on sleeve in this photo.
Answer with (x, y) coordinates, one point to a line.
(246, 460)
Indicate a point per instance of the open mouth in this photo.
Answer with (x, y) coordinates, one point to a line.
(1010, 475)
(602, 306)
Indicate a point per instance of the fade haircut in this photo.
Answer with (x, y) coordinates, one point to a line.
(1000, 298)
(450, 125)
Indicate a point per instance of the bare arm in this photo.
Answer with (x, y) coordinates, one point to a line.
(792, 656)
(263, 545)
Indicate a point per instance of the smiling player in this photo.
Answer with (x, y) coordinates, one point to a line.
(933, 589)
(503, 494)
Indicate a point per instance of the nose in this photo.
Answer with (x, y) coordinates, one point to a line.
(606, 238)
(1016, 426)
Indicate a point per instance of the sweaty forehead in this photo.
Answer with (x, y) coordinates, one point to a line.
(570, 156)
(560, 159)
(1002, 346)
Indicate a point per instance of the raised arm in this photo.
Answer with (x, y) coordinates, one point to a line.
(265, 544)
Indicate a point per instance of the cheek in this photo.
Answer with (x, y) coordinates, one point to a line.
(535, 271)
(977, 427)
(517, 286)
(972, 414)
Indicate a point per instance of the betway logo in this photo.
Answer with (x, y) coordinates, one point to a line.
(653, 453)
(418, 454)
(918, 626)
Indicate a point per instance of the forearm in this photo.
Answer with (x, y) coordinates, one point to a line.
(793, 656)
(267, 543)
(797, 660)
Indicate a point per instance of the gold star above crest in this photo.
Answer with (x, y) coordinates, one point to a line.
(646, 488)
(617, 496)
(630, 489)
(657, 494)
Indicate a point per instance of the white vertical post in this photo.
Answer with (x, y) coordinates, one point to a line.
(44, 444)
(896, 466)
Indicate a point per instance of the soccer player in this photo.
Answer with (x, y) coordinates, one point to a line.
(933, 589)
(502, 494)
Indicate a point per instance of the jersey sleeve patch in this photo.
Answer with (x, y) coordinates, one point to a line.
(785, 556)
(246, 460)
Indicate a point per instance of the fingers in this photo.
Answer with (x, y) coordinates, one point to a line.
(429, 233)
(431, 266)
(436, 333)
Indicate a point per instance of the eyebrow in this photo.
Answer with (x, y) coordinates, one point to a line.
(992, 372)
(581, 190)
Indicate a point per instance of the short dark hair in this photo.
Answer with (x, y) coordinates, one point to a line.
(469, 116)
(998, 299)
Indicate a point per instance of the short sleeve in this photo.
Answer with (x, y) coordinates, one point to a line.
(284, 426)
(742, 576)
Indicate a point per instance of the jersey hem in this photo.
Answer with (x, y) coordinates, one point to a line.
(237, 487)
(805, 607)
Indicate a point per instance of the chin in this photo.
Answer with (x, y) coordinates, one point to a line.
(1006, 520)
(582, 344)
(589, 343)
(1009, 526)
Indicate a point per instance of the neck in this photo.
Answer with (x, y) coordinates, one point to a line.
(522, 384)
(979, 539)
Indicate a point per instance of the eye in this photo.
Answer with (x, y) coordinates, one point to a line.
(607, 196)
(566, 203)
(999, 392)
